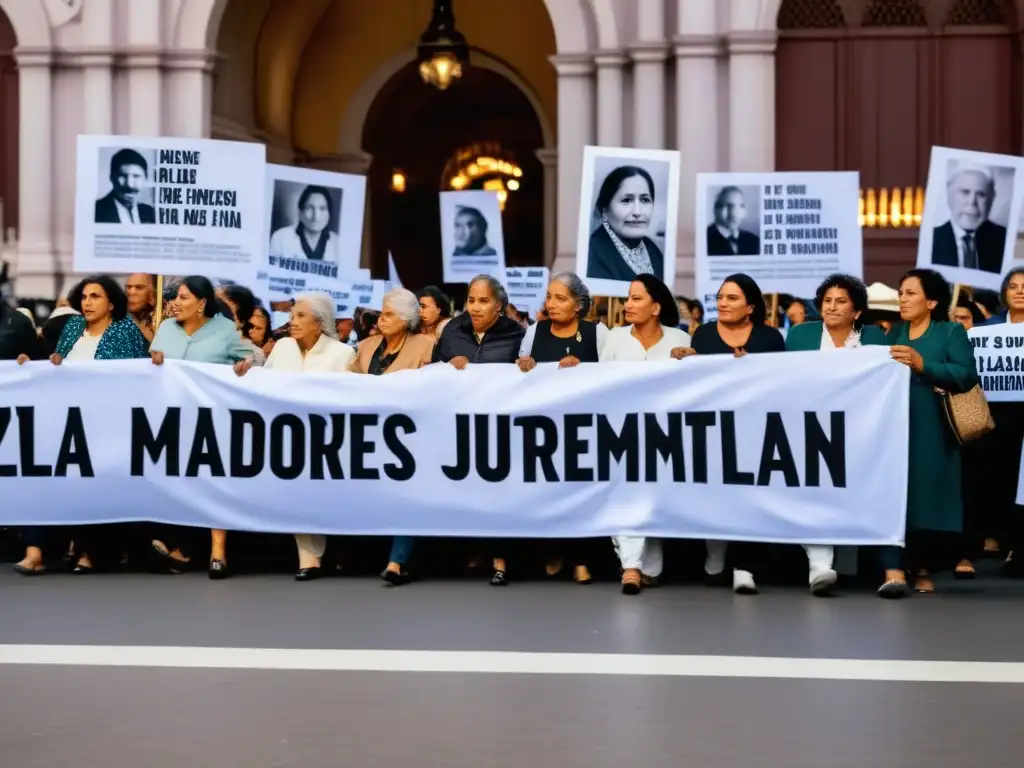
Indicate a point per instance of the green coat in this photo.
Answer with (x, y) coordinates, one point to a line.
(806, 337)
(933, 495)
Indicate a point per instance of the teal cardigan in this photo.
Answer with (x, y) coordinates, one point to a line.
(806, 337)
(217, 341)
(121, 341)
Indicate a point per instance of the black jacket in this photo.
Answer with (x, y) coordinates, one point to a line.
(500, 345)
(989, 242)
(17, 335)
(748, 243)
(106, 211)
(605, 263)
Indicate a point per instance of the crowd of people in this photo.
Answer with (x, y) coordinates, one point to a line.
(960, 500)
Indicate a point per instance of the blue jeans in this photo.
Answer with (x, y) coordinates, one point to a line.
(401, 549)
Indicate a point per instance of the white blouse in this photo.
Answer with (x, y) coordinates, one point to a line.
(84, 348)
(285, 244)
(327, 356)
(620, 345)
(852, 341)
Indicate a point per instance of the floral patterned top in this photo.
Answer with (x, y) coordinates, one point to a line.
(121, 341)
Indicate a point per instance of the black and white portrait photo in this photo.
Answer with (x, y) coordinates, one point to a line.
(977, 211)
(471, 235)
(305, 221)
(126, 192)
(628, 211)
(735, 225)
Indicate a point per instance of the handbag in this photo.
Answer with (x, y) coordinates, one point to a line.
(967, 413)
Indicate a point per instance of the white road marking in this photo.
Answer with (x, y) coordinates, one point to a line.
(499, 662)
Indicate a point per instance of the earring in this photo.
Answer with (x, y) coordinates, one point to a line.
(604, 220)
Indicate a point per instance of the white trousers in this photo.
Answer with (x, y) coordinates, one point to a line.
(641, 553)
(311, 544)
(819, 557)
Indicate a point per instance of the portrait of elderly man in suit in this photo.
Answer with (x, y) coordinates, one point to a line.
(969, 239)
(128, 174)
(724, 236)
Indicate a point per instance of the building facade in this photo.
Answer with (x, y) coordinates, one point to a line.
(744, 85)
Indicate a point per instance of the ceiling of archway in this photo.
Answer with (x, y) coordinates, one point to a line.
(292, 68)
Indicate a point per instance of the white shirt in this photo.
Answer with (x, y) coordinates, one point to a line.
(621, 346)
(285, 244)
(527, 346)
(327, 356)
(126, 215)
(85, 348)
(852, 341)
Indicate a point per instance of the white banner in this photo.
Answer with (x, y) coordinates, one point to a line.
(314, 223)
(788, 231)
(999, 354)
(972, 209)
(169, 206)
(794, 447)
(1020, 479)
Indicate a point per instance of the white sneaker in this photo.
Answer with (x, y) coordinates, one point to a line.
(714, 562)
(743, 583)
(822, 581)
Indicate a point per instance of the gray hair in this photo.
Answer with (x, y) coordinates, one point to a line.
(405, 305)
(577, 289)
(500, 294)
(322, 306)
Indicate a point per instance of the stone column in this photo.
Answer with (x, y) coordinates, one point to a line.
(97, 63)
(145, 75)
(752, 101)
(36, 190)
(575, 131)
(549, 160)
(698, 49)
(610, 91)
(188, 79)
(649, 54)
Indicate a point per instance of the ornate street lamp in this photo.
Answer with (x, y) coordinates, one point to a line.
(442, 50)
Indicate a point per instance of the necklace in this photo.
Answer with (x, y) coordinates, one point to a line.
(637, 258)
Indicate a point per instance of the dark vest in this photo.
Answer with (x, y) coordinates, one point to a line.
(548, 348)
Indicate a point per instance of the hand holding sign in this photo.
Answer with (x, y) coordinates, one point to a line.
(909, 356)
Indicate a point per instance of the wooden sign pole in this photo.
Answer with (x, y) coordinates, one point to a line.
(158, 311)
(773, 311)
(956, 297)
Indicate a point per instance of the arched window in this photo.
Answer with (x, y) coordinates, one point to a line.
(810, 14)
(980, 13)
(894, 13)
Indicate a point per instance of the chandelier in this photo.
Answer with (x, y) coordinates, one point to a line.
(442, 50)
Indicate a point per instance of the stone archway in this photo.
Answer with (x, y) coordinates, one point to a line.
(579, 24)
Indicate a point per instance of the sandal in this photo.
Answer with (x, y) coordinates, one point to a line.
(582, 575)
(631, 581)
(964, 570)
(923, 584)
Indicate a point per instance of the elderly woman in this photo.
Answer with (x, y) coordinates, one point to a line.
(435, 311)
(567, 339)
(399, 347)
(739, 330)
(197, 333)
(651, 333)
(482, 334)
(311, 237)
(940, 356)
(841, 300)
(312, 346)
(620, 248)
(103, 330)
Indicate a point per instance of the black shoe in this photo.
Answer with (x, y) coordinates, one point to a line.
(498, 579)
(26, 571)
(218, 570)
(395, 578)
(82, 570)
(164, 563)
(308, 574)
